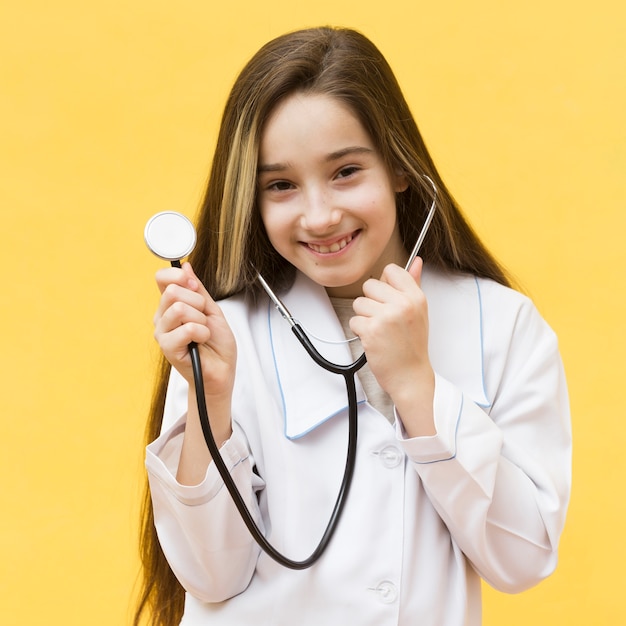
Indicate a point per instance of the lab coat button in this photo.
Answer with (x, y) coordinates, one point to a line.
(391, 457)
(386, 592)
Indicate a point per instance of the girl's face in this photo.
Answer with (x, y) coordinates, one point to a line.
(327, 200)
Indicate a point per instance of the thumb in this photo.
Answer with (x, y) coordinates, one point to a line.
(195, 284)
(416, 270)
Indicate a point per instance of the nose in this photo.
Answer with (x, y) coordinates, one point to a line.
(319, 212)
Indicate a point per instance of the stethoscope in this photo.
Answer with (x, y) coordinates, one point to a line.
(172, 237)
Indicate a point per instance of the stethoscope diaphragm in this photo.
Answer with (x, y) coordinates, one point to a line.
(170, 235)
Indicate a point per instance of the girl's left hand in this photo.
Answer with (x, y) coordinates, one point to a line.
(391, 319)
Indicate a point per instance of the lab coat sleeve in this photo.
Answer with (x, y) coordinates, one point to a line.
(202, 535)
(499, 477)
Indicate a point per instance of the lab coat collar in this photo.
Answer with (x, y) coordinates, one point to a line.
(311, 395)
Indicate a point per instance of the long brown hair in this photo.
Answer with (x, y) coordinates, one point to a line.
(232, 243)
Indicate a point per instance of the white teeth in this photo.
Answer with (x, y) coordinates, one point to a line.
(335, 247)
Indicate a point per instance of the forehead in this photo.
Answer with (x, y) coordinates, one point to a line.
(311, 123)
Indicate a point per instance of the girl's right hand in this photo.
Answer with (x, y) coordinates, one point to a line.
(187, 313)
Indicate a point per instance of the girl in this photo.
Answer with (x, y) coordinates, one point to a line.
(322, 182)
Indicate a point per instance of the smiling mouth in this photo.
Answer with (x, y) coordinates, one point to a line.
(336, 246)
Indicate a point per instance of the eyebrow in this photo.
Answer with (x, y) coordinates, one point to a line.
(329, 158)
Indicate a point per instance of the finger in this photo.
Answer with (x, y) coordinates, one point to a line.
(171, 276)
(367, 306)
(175, 343)
(180, 337)
(177, 314)
(398, 277)
(196, 284)
(416, 270)
(182, 276)
(178, 284)
(174, 293)
(393, 280)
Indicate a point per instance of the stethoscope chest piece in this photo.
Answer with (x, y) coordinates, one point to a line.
(170, 235)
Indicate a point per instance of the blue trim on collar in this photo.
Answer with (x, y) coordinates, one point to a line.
(280, 387)
(488, 403)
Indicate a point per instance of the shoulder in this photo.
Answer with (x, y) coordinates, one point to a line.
(461, 305)
(480, 329)
(448, 290)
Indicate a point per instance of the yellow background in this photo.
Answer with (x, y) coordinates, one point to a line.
(108, 114)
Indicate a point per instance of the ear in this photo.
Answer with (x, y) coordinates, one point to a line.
(400, 181)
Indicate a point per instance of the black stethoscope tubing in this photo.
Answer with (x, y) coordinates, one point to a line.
(348, 372)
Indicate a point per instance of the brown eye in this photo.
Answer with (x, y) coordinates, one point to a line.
(279, 185)
(346, 172)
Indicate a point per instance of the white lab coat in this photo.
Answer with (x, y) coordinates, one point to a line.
(425, 518)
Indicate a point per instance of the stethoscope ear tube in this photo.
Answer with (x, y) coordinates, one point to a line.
(425, 227)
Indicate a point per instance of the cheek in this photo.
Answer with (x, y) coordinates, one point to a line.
(380, 204)
(275, 226)
(268, 217)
